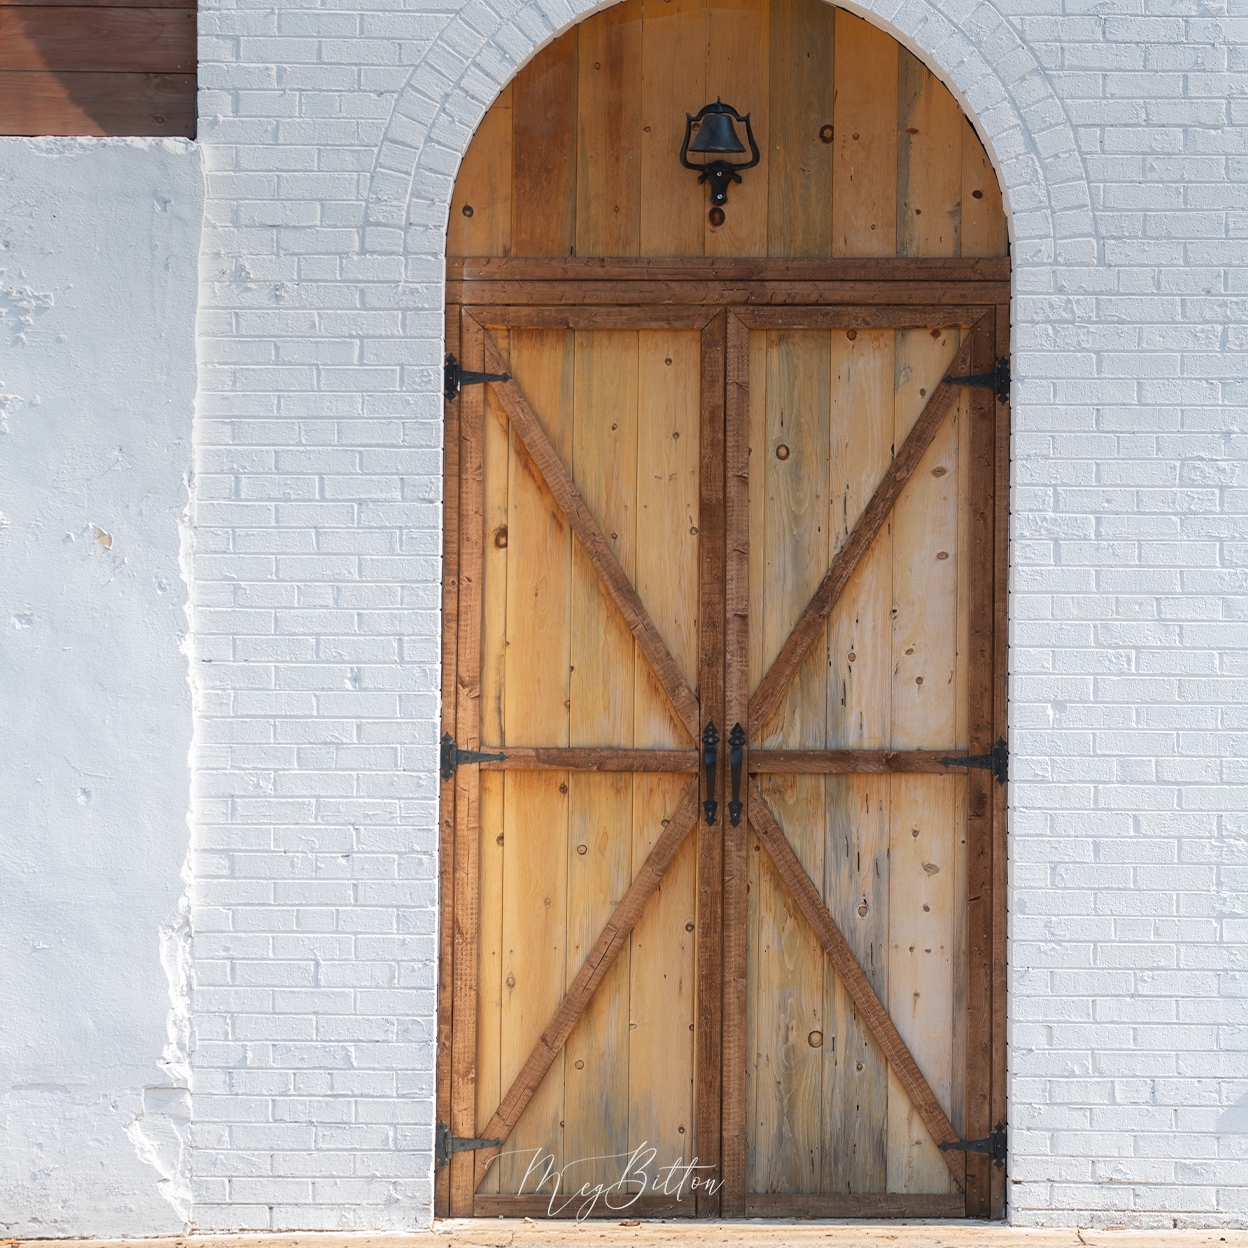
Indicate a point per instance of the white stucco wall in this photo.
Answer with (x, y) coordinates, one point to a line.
(99, 243)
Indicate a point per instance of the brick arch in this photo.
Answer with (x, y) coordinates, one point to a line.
(979, 56)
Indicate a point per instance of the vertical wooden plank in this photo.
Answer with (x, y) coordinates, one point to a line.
(799, 206)
(736, 703)
(709, 1034)
(788, 1141)
(979, 785)
(920, 972)
(467, 778)
(859, 703)
(446, 788)
(543, 203)
(480, 219)
(608, 98)
(736, 72)
(864, 173)
(924, 707)
(984, 230)
(998, 507)
(662, 996)
(496, 436)
(929, 163)
(961, 419)
(673, 70)
(534, 903)
(604, 467)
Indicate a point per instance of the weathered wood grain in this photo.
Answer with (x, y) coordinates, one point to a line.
(675, 267)
(560, 484)
(467, 780)
(98, 39)
(480, 217)
(663, 946)
(37, 102)
(858, 873)
(608, 146)
(857, 985)
(864, 177)
(771, 689)
(561, 758)
(799, 209)
(536, 707)
(710, 884)
(595, 967)
(544, 126)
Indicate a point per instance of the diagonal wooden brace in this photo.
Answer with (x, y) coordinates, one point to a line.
(614, 578)
(876, 512)
(606, 949)
(870, 1008)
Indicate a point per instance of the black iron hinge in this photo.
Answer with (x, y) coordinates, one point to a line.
(446, 1145)
(993, 1145)
(998, 381)
(452, 756)
(454, 378)
(997, 761)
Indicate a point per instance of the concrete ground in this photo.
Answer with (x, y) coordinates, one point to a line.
(524, 1233)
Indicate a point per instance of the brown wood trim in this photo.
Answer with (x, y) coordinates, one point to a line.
(771, 687)
(467, 778)
(599, 961)
(698, 268)
(105, 4)
(979, 798)
(44, 102)
(737, 504)
(848, 316)
(708, 1038)
(567, 1205)
(446, 789)
(855, 1205)
(957, 295)
(536, 316)
(575, 758)
(1000, 716)
(98, 39)
(870, 1008)
(615, 580)
(853, 762)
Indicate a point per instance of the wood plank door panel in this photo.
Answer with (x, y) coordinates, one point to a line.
(724, 481)
(824, 1112)
(560, 668)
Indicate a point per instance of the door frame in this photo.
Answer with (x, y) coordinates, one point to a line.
(852, 293)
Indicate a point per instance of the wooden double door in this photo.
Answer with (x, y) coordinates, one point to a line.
(759, 523)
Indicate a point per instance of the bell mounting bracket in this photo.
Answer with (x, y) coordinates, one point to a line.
(719, 173)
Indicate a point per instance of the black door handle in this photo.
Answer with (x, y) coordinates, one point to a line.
(736, 754)
(710, 739)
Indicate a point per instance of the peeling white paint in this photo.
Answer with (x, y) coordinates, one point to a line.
(97, 313)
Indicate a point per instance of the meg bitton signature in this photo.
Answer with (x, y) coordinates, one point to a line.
(676, 1180)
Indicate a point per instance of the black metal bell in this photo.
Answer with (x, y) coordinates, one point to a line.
(716, 134)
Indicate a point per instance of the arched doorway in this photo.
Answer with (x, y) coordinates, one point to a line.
(722, 477)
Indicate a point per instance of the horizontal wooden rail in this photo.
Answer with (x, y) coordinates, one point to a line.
(722, 268)
(546, 758)
(853, 762)
(735, 292)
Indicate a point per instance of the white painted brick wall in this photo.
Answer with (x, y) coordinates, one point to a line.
(331, 138)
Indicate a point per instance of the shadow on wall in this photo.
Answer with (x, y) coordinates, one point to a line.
(98, 71)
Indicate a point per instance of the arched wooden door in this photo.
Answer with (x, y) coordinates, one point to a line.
(727, 494)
